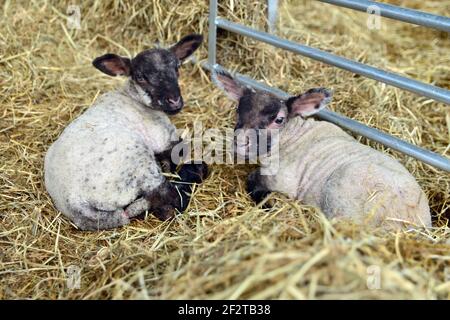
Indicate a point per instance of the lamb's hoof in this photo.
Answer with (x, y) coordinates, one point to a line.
(269, 204)
(193, 173)
(164, 213)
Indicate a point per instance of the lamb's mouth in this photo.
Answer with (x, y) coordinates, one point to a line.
(157, 104)
(172, 112)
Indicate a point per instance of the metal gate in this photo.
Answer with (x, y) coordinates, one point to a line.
(389, 11)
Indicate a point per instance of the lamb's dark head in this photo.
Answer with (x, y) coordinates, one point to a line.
(260, 113)
(154, 72)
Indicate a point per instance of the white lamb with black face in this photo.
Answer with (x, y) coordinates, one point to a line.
(105, 168)
(320, 164)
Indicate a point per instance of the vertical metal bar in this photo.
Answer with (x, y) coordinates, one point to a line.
(212, 33)
(272, 12)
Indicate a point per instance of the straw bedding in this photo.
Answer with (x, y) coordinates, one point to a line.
(223, 246)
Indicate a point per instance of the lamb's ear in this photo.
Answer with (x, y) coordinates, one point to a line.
(186, 46)
(230, 86)
(113, 65)
(309, 103)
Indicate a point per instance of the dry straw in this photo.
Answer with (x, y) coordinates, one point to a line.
(224, 246)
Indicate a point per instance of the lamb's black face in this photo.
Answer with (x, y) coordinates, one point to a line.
(156, 73)
(259, 115)
(260, 110)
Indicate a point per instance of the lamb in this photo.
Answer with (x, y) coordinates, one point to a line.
(319, 163)
(107, 165)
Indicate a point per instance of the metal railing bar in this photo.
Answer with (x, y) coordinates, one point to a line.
(387, 140)
(212, 32)
(272, 12)
(390, 78)
(397, 13)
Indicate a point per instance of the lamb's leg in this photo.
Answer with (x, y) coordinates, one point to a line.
(165, 158)
(165, 161)
(137, 207)
(189, 174)
(162, 202)
(193, 173)
(89, 218)
(170, 196)
(142, 204)
(256, 188)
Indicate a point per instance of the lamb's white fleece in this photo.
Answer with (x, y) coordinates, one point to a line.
(105, 159)
(323, 166)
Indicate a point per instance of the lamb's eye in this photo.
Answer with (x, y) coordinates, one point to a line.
(279, 120)
(140, 78)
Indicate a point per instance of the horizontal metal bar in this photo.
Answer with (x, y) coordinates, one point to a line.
(397, 13)
(393, 79)
(373, 134)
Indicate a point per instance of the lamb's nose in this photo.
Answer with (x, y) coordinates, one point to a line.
(174, 102)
